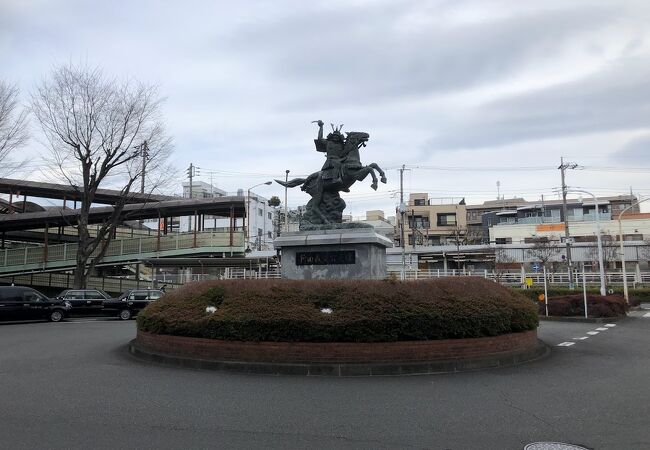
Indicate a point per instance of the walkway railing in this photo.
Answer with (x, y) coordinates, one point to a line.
(65, 281)
(123, 250)
(228, 273)
(555, 278)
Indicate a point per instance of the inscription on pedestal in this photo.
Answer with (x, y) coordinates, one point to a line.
(325, 258)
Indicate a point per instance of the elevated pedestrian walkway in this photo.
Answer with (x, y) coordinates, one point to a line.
(60, 257)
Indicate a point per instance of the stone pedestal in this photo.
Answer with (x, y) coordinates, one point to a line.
(354, 253)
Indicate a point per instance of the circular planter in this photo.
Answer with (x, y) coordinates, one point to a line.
(341, 358)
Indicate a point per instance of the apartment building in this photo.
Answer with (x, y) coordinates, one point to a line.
(428, 222)
(545, 220)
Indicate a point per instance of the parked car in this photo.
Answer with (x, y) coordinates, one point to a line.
(85, 302)
(22, 303)
(131, 302)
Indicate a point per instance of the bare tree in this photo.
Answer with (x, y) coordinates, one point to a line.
(503, 262)
(544, 249)
(96, 129)
(611, 250)
(13, 122)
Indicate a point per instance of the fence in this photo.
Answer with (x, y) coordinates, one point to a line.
(227, 273)
(62, 255)
(65, 281)
(556, 278)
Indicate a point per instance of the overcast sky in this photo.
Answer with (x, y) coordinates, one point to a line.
(464, 93)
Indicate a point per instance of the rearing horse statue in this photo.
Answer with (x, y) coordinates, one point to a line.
(341, 170)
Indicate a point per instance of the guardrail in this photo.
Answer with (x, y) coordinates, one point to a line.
(64, 255)
(555, 278)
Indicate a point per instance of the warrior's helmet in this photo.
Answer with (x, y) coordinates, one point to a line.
(336, 134)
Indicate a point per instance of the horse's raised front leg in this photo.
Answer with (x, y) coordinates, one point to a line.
(378, 169)
(364, 172)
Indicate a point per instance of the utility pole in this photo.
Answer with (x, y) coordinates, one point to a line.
(402, 211)
(563, 166)
(190, 173)
(144, 152)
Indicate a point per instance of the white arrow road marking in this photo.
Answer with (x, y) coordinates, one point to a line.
(566, 344)
(593, 333)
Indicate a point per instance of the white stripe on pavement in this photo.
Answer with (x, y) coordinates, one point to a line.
(566, 344)
(602, 329)
(646, 315)
(593, 333)
(610, 325)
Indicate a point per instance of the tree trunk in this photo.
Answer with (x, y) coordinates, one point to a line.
(80, 273)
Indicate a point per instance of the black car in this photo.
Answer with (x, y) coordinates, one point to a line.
(85, 302)
(131, 302)
(23, 303)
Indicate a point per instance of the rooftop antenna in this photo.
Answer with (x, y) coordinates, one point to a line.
(498, 190)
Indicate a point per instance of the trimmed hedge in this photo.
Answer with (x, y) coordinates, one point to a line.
(573, 305)
(636, 295)
(363, 311)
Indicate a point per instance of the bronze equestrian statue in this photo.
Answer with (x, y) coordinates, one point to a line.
(341, 170)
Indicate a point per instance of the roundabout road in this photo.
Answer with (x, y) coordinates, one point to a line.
(73, 385)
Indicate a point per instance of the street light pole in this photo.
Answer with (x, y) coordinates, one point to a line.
(286, 207)
(603, 292)
(620, 239)
(248, 213)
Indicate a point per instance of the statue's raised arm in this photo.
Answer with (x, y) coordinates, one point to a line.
(320, 142)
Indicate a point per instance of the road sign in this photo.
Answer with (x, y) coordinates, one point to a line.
(529, 282)
(536, 267)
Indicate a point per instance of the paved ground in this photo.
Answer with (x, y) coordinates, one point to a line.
(72, 385)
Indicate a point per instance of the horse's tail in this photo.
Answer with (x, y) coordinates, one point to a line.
(292, 183)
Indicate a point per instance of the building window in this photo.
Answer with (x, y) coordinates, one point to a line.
(503, 241)
(418, 222)
(419, 202)
(269, 235)
(536, 240)
(260, 212)
(270, 216)
(260, 232)
(446, 219)
(434, 240)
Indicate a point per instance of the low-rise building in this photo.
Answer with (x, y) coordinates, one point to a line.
(428, 223)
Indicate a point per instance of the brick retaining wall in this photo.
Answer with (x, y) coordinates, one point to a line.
(337, 352)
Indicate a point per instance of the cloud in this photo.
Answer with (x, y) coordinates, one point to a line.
(636, 151)
(617, 98)
(368, 55)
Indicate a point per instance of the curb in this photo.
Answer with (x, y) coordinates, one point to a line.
(582, 319)
(345, 369)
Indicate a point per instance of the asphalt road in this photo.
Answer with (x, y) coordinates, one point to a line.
(73, 385)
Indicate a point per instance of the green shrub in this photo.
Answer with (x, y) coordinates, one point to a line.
(636, 295)
(363, 310)
(573, 305)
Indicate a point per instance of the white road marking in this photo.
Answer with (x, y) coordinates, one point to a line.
(583, 338)
(646, 315)
(602, 329)
(566, 344)
(610, 325)
(593, 333)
